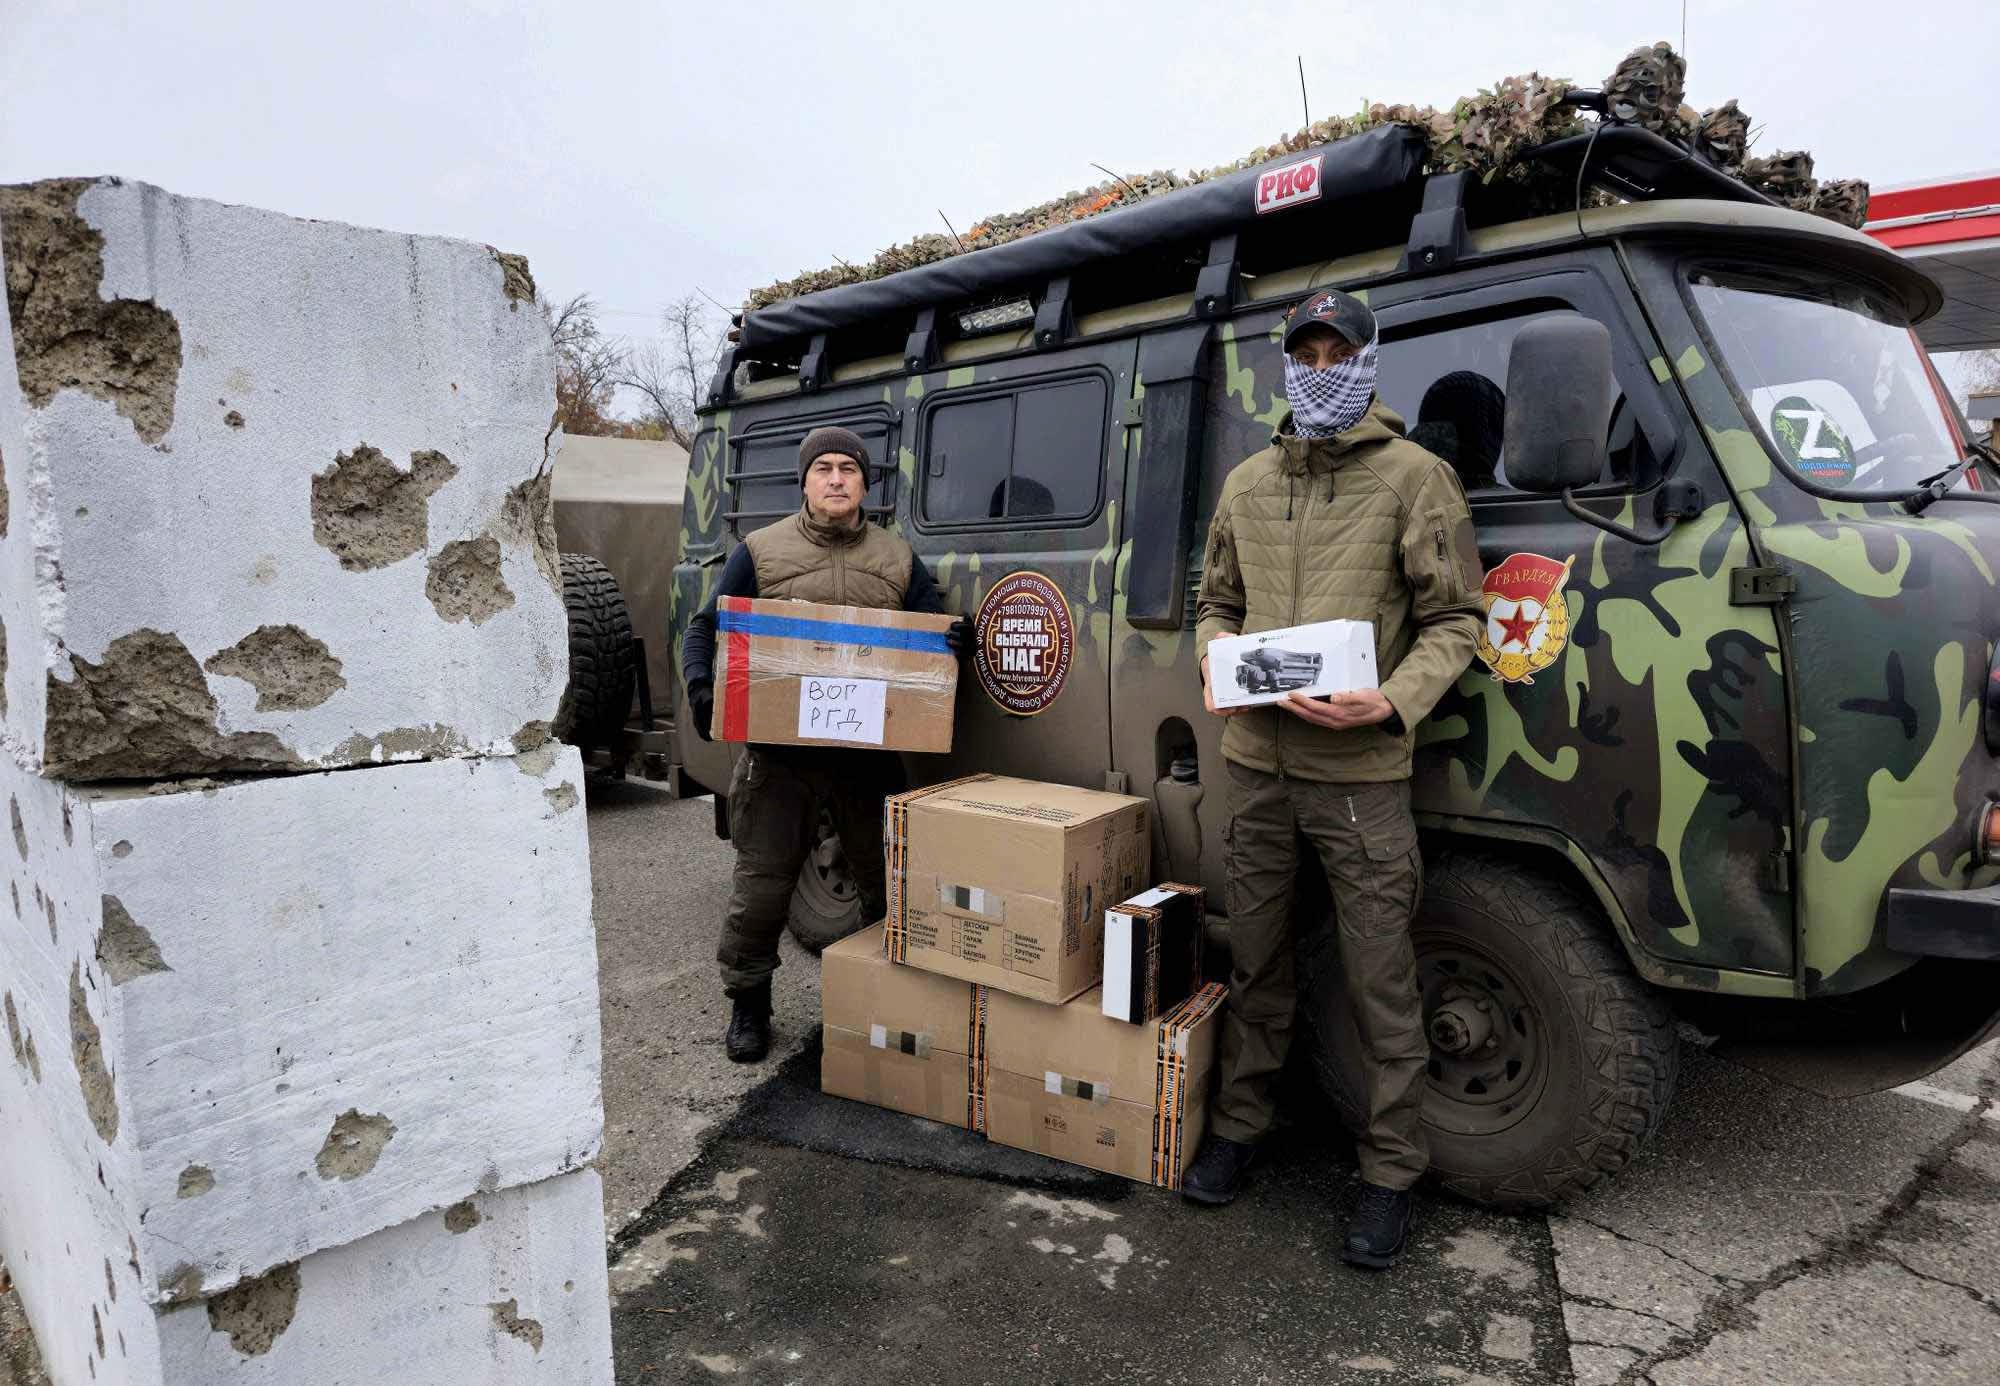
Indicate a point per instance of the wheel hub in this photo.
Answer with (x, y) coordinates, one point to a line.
(1488, 1058)
(1463, 1026)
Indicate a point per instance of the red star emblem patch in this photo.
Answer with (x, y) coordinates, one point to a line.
(1516, 629)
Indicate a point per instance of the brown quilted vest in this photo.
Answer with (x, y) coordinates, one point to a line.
(806, 561)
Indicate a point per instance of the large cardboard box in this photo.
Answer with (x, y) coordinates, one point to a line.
(1004, 882)
(894, 1036)
(1071, 1082)
(1152, 951)
(1317, 659)
(805, 674)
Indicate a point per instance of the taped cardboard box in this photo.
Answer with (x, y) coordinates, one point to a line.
(1004, 882)
(896, 1037)
(1152, 951)
(807, 674)
(1072, 1083)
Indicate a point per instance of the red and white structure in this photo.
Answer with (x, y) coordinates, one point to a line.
(1952, 227)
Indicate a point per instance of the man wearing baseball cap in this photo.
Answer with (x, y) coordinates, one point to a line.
(827, 552)
(1340, 518)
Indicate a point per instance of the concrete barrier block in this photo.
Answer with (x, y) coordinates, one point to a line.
(251, 1020)
(502, 1288)
(274, 494)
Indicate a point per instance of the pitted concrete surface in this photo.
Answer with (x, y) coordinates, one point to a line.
(1767, 1235)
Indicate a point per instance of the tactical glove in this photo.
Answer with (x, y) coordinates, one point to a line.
(701, 706)
(959, 636)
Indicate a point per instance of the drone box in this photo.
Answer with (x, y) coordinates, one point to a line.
(1325, 657)
(1152, 952)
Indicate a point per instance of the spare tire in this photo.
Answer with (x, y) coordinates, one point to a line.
(603, 659)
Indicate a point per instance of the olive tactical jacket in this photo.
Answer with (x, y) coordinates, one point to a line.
(1365, 526)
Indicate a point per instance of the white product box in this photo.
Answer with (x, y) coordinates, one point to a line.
(1325, 657)
(243, 1023)
(274, 493)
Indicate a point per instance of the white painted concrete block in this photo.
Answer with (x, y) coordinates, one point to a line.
(276, 490)
(249, 1022)
(504, 1288)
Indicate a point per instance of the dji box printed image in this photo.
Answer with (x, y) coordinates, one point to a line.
(1325, 657)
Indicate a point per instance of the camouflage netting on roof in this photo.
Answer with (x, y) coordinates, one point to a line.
(1484, 134)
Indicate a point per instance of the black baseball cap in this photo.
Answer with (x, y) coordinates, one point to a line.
(1342, 313)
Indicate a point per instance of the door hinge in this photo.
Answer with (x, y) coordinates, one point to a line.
(1778, 872)
(1117, 782)
(1760, 586)
(1135, 413)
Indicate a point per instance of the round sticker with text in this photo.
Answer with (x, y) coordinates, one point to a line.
(1024, 640)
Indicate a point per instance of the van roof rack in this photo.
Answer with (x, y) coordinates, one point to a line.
(1376, 161)
(1631, 162)
(1639, 165)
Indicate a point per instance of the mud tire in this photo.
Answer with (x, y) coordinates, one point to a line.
(603, 661)
(825, 906)
(1608, 1045)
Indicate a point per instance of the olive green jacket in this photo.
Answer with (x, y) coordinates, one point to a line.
(1364, 526)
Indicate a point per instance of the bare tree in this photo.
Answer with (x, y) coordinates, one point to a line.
(649, 373)
(672, 378)
(588, 367)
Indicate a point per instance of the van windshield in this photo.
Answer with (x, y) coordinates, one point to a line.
(1832, 374)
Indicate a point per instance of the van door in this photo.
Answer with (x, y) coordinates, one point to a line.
(1014, 486)
(1618, 698)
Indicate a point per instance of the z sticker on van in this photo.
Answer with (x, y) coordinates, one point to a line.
(1527, 621)
(1288, 186)
(1024, 640)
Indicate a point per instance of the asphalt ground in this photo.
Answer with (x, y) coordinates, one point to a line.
(764, 1233)
(760, 1232)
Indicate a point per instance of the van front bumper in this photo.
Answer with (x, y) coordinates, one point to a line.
(1945, 923)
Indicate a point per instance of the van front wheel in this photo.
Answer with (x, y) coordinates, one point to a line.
(826, 906)
(1551, 1062)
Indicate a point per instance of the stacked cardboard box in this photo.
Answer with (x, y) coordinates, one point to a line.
(1065, 1081)
(979, 1001)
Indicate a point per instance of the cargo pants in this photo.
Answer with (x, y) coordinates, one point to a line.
(775, 795)
(1367, 841)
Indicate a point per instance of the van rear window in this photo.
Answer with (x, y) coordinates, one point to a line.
(1036, 453)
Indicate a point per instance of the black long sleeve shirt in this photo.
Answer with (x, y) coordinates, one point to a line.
(739, 579)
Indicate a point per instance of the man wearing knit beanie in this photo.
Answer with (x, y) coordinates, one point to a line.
(827, 552)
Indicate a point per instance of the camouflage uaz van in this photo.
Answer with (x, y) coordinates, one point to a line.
(1728, 751)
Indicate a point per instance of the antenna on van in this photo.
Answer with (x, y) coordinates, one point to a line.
(954, 230)
(1128, 187)
(1304, 105)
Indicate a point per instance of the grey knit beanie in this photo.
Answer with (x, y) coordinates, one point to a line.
(834, 439)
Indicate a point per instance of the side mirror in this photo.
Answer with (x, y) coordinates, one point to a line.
(1559, 397)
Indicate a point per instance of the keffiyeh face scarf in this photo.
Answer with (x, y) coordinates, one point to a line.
(1330, 401)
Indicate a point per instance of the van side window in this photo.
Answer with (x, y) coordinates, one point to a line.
(1036, 453)
(764, 475)
(1449, 384)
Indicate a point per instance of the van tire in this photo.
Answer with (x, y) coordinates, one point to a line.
(1603, 1043)
(825, 906)
(603, 661)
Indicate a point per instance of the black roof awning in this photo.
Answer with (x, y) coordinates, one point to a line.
(1376, 161)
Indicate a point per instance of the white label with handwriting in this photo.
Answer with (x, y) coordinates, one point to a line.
(842, 709)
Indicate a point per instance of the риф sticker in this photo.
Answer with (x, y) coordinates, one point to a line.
(1288, 186)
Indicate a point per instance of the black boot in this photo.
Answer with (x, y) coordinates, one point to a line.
(749, 1036)
(1380, 1227)
(1217, 1171)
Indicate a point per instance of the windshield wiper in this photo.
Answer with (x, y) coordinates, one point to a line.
(1933, 489)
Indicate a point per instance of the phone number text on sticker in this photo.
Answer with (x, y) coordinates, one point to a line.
(1023, 643)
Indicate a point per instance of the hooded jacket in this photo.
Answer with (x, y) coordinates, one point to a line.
(1364, 526)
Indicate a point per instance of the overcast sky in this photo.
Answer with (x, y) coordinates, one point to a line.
(638, 150)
